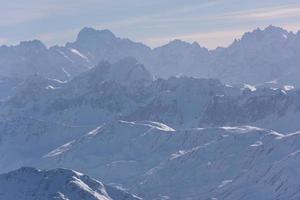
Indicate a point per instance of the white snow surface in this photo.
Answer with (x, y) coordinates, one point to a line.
(225, 163)
(29, 183)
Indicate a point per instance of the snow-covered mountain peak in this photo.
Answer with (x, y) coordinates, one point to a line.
(59, 184)
(97, 45)
(31, 171)
(270, 35)
(181, 46)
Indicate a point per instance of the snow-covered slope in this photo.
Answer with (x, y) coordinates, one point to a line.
(156, 161)
(60, 184)
(23, 140)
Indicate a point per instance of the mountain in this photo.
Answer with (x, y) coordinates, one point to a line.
(258, 57)
(102, 108)
(178, 58)
(103, 93)
(126, 90)
(29, 183)
(156, 161)
(181, 57)
(273, 52)
(98, 45)
(122, 90)
(185, 138)
(33, 57)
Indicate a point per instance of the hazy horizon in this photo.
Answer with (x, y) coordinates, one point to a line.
(165, 42)
(210, 23)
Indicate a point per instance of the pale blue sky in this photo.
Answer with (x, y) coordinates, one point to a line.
(209, 22)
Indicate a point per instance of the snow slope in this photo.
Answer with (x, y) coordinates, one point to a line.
(32, 184)
(157, 162)
(24, 140)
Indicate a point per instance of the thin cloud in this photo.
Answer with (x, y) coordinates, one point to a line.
(176, 16)
(16, 12)
(267, 13)
(278, 12)
(158, 17)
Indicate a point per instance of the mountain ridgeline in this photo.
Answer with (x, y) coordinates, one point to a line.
(260, 56)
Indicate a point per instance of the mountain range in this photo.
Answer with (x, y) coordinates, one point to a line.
(273, 51)
(174, 122)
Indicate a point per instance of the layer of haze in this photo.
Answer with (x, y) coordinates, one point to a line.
(211, 23)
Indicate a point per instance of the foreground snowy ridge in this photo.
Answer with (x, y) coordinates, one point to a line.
(29, 183)
(199, 163)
